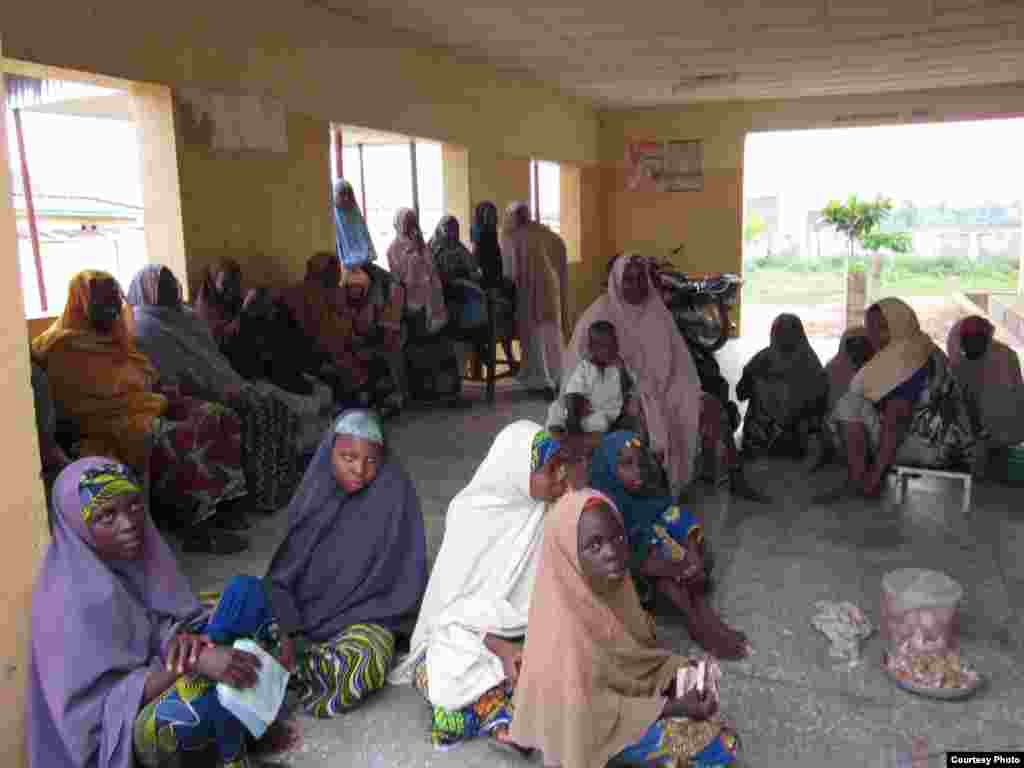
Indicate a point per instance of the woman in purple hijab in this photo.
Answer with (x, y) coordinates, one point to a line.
(351, 569)
(116, 678)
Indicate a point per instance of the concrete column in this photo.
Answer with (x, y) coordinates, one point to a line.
(25, 534)
(161, 191)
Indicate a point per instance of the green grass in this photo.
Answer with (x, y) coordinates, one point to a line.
(785, 286)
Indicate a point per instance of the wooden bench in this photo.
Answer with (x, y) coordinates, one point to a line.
(906, 473)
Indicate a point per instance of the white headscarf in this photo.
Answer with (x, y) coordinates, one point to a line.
(483, 577)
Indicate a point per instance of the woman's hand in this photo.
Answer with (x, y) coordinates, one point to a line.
(512, 663)
(184, 651)
(238, 669)
(691, 568)
(287, 654)
(511, 655)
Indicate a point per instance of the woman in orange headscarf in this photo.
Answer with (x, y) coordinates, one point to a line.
(317, 304)
(101, 382)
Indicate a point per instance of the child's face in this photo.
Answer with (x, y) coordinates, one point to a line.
(118, 528)
(630, 469)
(603, 349)
(356, 462)
(603, 551)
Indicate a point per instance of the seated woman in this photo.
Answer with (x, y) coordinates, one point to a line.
(502, 291)
(219, 300)
(681, 421)
(191, 449)
(351, 568)
(903, 407)
(144, 692)
(990, 374)
(180, 346)
(375, 308)
(270, 346)
(788, 389)
(317, 304)
(463, 292)
(464, 655)
(432, 367)
(666, 542)
(854, 351)
(594, 684)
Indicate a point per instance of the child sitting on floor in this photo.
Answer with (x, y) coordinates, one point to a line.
(598, 394)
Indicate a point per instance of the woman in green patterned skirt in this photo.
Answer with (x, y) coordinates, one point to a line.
(351, 568)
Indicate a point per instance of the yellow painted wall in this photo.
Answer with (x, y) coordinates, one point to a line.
(319, 63)
(502, 180)
(24, 507)
(457, 200)
(268, 211)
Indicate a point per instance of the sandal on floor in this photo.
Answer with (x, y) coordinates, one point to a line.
(211, 542)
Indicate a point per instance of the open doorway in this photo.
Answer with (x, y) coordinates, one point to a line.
(948, 239)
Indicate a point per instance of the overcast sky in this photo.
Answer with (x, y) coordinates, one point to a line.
(959, 163)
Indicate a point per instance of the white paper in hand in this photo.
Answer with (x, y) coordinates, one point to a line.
(257, 707)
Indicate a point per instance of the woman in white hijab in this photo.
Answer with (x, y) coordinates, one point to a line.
(463, 657)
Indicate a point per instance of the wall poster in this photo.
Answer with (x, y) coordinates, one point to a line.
(665, 166)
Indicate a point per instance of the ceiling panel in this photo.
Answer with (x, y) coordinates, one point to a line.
(653, 52)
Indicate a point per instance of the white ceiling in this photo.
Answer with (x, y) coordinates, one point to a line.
(652, 52)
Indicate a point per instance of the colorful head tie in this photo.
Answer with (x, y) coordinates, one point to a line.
(544, 448)
(100, 485)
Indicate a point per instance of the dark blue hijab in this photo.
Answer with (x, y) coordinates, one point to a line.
(349, 559)
(639, 513)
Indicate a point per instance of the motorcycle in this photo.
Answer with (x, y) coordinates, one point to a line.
(700, 306)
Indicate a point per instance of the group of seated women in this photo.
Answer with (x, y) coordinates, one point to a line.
(531, 593)
(217, 406)
(533, 629)
(890, 396)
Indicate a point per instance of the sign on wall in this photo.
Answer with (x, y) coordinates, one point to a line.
(236, 121)
(665, 166)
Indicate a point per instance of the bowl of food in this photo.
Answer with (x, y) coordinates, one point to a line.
(934, 675)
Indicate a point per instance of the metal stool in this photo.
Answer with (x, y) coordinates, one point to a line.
(904, 474)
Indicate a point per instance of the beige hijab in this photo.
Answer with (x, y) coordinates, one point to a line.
(907, 351)
(592, 676)
(540, 264)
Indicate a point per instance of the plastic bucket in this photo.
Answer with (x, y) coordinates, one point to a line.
(920, 612)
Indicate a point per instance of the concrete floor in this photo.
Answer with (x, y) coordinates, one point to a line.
(792, 704)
